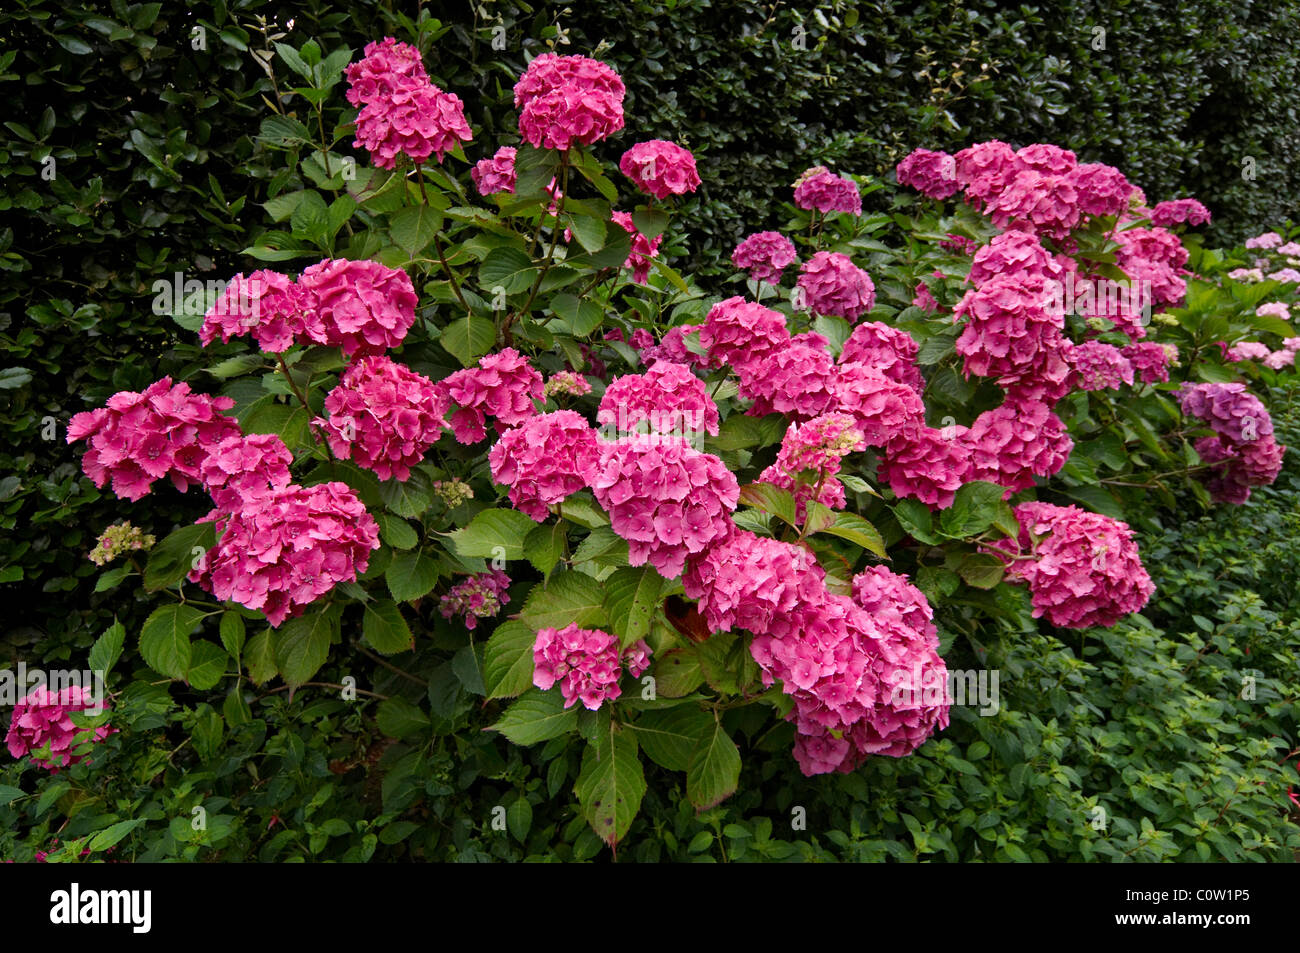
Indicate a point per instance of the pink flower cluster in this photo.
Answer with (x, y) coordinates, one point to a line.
(1101, 366)
(883, 409)
(668, 396)
(384, 416)
(402, 112)
(1009, 332)
(241, 468)
(566, 382)
(503, 385)
(586, 663)
(545, 460)
(1015, 442)
(665, 498)
(43, 717)
(745, 581)
(643, 249)
(362, 307)
(1154, 255)
(933, 174)
(1267, 240)
(810, 457)
(1151, 360)
(672, 347)
(831, 284)
(266, 303)
(285, 548)
(568, 99)
(660, 168)
(1229, 410)
(481, 596)
(927, 464)
(1082, 568)
(1101, 189)
(1179, 212)
(889, 351)
(1016, 252)
(163, 431)
(739, 332)
(819, 188)
(496, 174)
(764, 255)
(1243, 446)
(797, 379)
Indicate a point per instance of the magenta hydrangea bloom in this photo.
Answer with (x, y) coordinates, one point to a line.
(362, 307)
(1229, 410)
(831, 284)
(1151, 360)
(641, 339)
(810, 457)
(163, 431)
(798, 379)
(413, 118)
(819, 188)
(266, 304)
(643, 249)
(545, 460)
(764, 255)
(1015, 442)
(585, 662)
(1082, 568)
(1017, 253)
(1180, 212)
(672, 347)
(1157, 256)
(891, 351)
(1238, 468)
(752, 582)
(922, 298)
(926, 464)
(239, 469)
(480, 596)
(1009, 330)
(739, 332)
(668, 396)
(568, 99)
(286, 548)
(1101, 189)
(496, 174)
(1047, 158)
(933, 174)
(636, 657)
(665, 498)
(503, 385)
(985, 169)
(384, 416)
(1046, 203)
(385, 64)
(43, 717)
(882, 408)
(1101, 366)
(660, 168)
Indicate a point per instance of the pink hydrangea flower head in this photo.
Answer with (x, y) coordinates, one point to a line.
(496, 174)
(43, 717)
(985, 169)
(1009, 329)
(1248, 351)
(1082, 568)
(764, 255)
(413, 118)
(665, 498)
(660, 168)
(362, 307)
(819, 188)
(924, 299)
(1265, 240)
(926, 464)
(1150, 361)
(1101, 366)
(798, 379)
(641, 339)
(899, 609)
(385, 64)
(1279, 359)
(636, 658)
(810, 457)
(1288, 276)
(503, 385)
(672, 347)
(1180, 212)
(891, 351)
(959, 244)
(1290, 250)
(1015, 253)
(241, 468)
(568, 99)
(545, 460)
(933, 174)
(1101, 189)
(266, 304)
(643, 249)
(163, 431)
(480, 596)
(882, 408)
(286, 548)
(384, 416)
(1043, 202)
(739, 332)
(1276, 309)
(1047, 158)
(1015, 442)
(830, 284)
(668, 396)
(585, 662)
(1236, 415)
(750, 582)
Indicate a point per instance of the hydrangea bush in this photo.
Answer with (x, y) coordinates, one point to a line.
(470, 423)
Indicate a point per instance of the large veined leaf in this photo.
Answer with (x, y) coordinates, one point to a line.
(714, 771)
(493, 533)
(567, 597)
(165, 639)
(537, 716)
(508, 660)
(611, 783)
(631, 597)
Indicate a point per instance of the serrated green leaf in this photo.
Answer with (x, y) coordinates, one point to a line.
(385, 629)
(165, 639)
(508, 660)
(537, 716)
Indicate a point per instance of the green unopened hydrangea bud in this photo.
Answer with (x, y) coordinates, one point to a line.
(1164, 318)
(452, 492)
(567, 382)
(117, 539)
(1097, 323)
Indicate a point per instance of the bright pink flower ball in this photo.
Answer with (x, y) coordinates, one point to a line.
(43, 717)
(660, 168)
(496, 174)
(503, 385)
(362, 307)
(545, 460)
(764, 255)
(832, 285)
(933, 174)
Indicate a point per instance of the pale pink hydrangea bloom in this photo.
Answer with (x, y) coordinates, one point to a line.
(1015, 442)
(362, 307)
(1246, 274)
(479, 596)
(1279, 359)
(1179, 212)
(1277, 309)
(163, 431)
(810, 458)
(43, 717)
(764, 255)
(1100, 189)
(668, 396)
(891, 351)
(566, 382)
(1082, 568)
(545, 460)
(665, 498)
(239, 469)
(586, 663)
(384, 416)
(739, 332)
(503, 385)
(565, 100)
(660, 168)
(266, 304)
(1247, 351)
(1266, 240)
(643, 249)
(1286, 275)
(287, 548)
(926, 464)
(933, 174)
(819, 188)
(1101, 366)
(1289, 250)
(496, 174)
(831, 284)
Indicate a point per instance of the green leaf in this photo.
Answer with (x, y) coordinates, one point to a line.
(537, 716)
(508, 269)
(414, 227)
(677, 673)
(11, 378)
(857, 530)
(580, 317)
(302, 645)
(981, 570)
(650, 222)
(9, 793)
(519, 818)
(108, 648)
(411, 575)
(590, 232)
(398, 718)
(385, 629)
(770, 499)
(544, 545)
(467, 663)
(233, 633)
(110, 836)
(172, 559)
(508, 660)
(714, 771)
(632, 596)
(259, 656)
(207, 665)
(611, 784)
(976, 507)
(567, 597)
(165, 639)
(468, 339)
(409, 498)
(397, 532)
(669, 736)
(493, 533)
